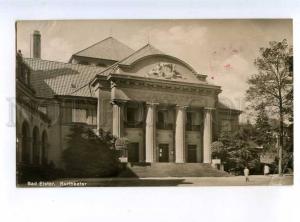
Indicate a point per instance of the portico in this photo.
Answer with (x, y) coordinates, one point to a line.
(161, 106)
(162, 137)
(163, 121)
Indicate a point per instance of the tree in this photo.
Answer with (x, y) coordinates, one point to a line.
(272, 85)
(263, 129)
(90, 155)
(236, 151)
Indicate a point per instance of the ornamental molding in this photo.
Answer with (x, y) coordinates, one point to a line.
(181, 99)
(165, 87)
(165, 71)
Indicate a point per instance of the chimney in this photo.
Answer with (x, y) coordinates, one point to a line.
(36, 45)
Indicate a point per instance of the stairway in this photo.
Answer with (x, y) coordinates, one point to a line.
(171, 170)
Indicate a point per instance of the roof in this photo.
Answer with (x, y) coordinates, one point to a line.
(49, 78)
(109, 48)
(226, 105)
(147, 50)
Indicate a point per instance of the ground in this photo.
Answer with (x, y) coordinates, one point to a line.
(255, 180)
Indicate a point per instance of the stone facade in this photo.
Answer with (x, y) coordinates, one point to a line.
(164, 109)
(149, 99)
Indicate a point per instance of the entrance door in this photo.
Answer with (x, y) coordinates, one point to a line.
(163, 153)
(192, 154)
(133, 152)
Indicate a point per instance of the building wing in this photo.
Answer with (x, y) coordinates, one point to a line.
(108, 49)
(50, 78)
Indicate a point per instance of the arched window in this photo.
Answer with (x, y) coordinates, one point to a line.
(25, 143)
(35, 146)
(44, 148)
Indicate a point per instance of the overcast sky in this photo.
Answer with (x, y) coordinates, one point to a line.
(222, 49)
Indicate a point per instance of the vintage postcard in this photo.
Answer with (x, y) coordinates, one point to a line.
(154, 103)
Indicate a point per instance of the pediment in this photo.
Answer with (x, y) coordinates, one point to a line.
(162, 67)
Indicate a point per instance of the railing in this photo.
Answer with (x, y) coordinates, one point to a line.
(133, 124)
(165, 126)
(190, 127)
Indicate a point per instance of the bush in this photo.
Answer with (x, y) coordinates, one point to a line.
(236, 152)
(32, 173)
(90, 155)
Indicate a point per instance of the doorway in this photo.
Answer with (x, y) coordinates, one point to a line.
(192, 154)
(163, 153)
(133, 152)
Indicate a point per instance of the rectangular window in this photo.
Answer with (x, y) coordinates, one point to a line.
(67, 115)
(189, 118)
(165, 119)
(193, 121)
(161, 116)
(133, 115)
(92, 117)
(79, 116)
(131, 112)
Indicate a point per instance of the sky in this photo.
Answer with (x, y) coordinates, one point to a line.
(224, 50)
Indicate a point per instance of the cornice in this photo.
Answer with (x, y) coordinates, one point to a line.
(125, 81)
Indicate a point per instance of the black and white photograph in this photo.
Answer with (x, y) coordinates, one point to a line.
(138, 110)
(154, 103)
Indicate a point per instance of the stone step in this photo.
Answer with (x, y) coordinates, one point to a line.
(171, 170)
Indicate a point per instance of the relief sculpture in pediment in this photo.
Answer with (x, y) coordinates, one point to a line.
(165, 70)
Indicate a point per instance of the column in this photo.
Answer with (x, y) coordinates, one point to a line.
(30, 147)
(180, 134)
(207, 135)
(200, 148)
(118, 118)
(151, 133)
(99, 111)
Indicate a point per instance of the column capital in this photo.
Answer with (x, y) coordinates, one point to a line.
(181, 107)
(118, 102)
(209, 109)
(152, 104)
(113, 84)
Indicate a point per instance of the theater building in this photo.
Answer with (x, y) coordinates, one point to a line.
(166, 110)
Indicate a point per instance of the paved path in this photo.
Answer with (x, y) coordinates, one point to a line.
(257, 180)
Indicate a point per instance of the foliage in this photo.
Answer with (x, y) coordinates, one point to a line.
(271, 88)
(235, 151)
(89, 155)
(263, 131)
(45, 172)
(272, 82)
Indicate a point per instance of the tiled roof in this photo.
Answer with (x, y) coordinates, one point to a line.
(226, 104)
(50, 78)
(109, 48)
(144, 51)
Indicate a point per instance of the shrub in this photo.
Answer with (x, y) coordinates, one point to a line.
(30, 172)
(90, 155)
